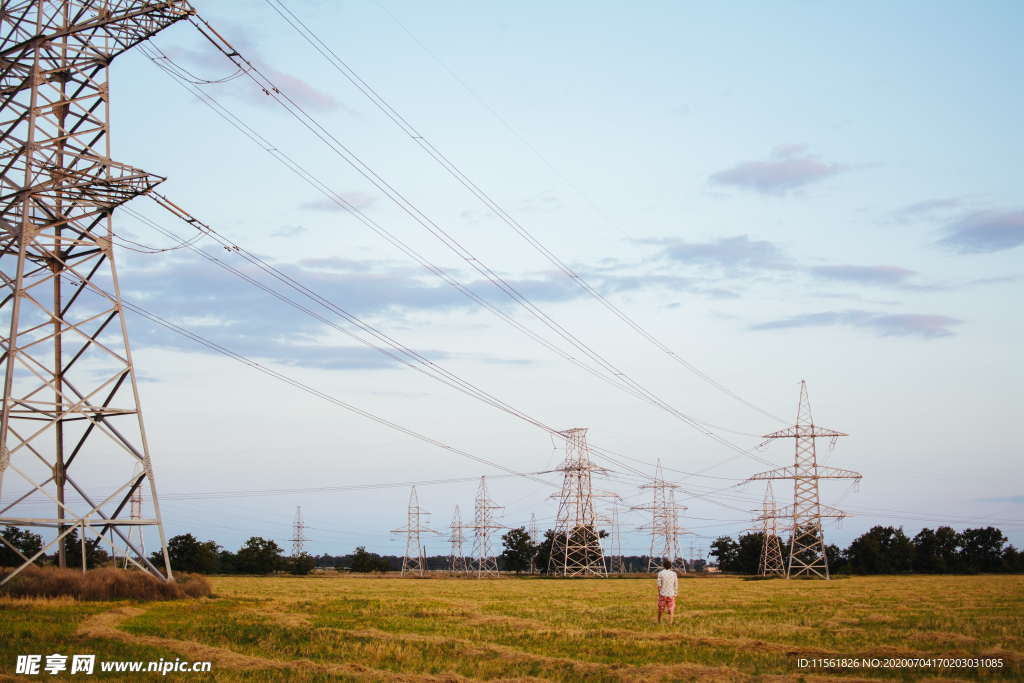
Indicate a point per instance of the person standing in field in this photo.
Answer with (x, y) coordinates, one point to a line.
(668, 587)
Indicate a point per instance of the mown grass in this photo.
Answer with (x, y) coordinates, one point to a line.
(319, 628)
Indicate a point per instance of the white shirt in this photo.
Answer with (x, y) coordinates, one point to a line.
(668, 583)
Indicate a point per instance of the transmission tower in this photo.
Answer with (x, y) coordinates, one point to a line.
(616, 564)
(134, 532)
(535, 540)
(664, 527)
(415, 559)
(457, 563)
(771, 562)
(576, 546)
(70, 396)
(807, 543)
(298, 538)
(483, 528)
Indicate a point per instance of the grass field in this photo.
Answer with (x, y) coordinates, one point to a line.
(331, 628)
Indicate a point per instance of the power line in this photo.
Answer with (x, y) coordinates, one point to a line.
(213, 346)
(407, 356)
(333, 144)
(416, 136)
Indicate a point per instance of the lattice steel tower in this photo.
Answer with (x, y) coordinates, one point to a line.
(484, 527)
(415, 559)
(576, 547)
(457, 563)
(70, 398)
(664, 526)
(134, 532)
(616, 564)
(771, 562)
(535, 540)
(298, 538)
(807, 544)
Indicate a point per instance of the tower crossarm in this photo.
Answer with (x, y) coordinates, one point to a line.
(102, 30)
(822, 511)
(822, 472)
(802, 431)
(815, 472)
(778, 473)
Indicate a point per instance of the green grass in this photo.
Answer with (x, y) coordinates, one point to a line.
(320, 628)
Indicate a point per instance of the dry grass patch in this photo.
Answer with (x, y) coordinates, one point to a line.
(106, 583)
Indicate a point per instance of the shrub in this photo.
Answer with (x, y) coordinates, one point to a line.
(106, 583)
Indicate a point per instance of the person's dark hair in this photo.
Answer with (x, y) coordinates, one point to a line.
(667, 564)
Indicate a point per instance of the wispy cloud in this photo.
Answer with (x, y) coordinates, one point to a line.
(873, 275)
(288, 231)
(356, 200)
(985, 232)
(928, 209)
(789, 167)
(732, 253)
(215, 66)
(1001, 499)
(882, 324)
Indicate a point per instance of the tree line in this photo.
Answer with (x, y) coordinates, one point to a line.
(888, 550)
(881, 550)
(259, 555)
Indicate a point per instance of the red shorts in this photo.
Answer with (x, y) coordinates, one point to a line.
(667, 603)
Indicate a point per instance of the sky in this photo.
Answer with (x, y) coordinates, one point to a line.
(825, 192)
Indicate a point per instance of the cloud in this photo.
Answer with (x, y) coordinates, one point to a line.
(733, 253)
(1001, 499)
(218, 66)
(927, 209)
(357, 201)
(872, 275)
(288, 231)
(883, 324)
(225, 309)
(984, 232)
(790, 167)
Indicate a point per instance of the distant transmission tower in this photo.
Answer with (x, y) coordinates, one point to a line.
(415, 559)
(457, 563)
(535, 540)
(70, 396)
(576, 547)
(807, 543)
(771, 562)
(486, 563)
(298, 538)
(616, 564)
(134, 532)
(664, 526)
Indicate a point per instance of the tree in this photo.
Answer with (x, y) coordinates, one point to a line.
(227, 561)
(363, 561)
(1013, 559)
(836, 558)
(25, 541)
(748, 553)
(188, 554)
(936, 551)
(258, 556)
(301, 564)
(94, 554)
(982, 549)
(519, 550)
(544, 550)
(882, 550)
(726, 551)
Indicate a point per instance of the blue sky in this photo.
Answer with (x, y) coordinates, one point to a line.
(823, 191)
